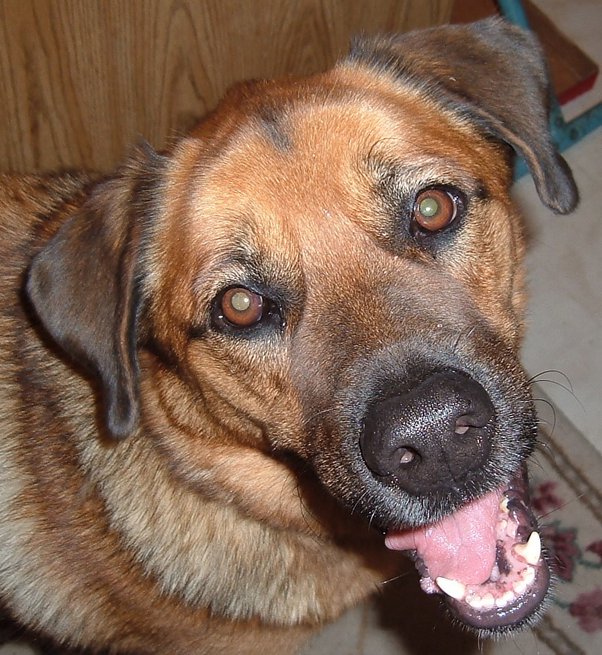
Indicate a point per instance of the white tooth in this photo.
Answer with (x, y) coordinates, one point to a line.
(528, 575)
(531, 551)
(520, 587)
(488, 601)
(452, 588)
(504, 505)
(506, 599)
(476, 602)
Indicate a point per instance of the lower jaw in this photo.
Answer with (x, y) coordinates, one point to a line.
(516, 614)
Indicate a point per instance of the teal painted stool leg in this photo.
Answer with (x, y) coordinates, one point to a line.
(564, 133)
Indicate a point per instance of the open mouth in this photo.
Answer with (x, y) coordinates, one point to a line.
(486, 559)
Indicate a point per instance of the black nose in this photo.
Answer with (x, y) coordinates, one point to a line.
(432, 436)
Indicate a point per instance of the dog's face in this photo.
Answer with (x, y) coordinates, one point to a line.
(316, 288)
(331, 269)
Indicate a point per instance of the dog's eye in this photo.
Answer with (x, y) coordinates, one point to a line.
(241, 307)
(435, 209)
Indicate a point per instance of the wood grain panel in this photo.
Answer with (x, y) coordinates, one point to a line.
(82, 79)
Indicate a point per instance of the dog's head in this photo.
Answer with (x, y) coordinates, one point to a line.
(331, 267)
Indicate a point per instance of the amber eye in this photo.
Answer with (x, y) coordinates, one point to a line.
(435, 209)
(242, 307)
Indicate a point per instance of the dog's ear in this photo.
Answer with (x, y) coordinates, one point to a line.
(493, 74)
(84, 285)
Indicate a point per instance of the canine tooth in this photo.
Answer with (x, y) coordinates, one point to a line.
(531, 551)
(504, 505)
(453, 588)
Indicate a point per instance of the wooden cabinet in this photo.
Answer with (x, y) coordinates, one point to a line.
(82, 79)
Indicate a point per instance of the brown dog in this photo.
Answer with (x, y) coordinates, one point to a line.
(223, 367)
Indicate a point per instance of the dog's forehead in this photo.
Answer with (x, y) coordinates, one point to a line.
(313, 155)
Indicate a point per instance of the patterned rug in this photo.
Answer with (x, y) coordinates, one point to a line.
(566, 480)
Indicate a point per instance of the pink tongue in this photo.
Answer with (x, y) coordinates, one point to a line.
(461, 546)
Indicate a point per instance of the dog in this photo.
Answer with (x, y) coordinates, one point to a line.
(242, 377)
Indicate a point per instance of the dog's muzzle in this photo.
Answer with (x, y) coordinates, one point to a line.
(434, 439)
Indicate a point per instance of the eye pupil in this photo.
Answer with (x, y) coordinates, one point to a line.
(429, 207)
(240, 301)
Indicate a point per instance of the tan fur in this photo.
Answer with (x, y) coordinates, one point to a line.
(201, 533)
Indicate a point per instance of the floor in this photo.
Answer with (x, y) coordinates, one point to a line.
(565, 258)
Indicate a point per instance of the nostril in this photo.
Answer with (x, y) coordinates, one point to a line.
(407, 455)
(461, 428)
(464, 423)
(478, 419)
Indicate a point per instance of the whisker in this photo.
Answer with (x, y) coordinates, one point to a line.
(306, 512)
(543, 445)
(358, 501)
(535, 462)
(568, 387)
(405, 574)
(569, 391)
(466, 334)
(371, 518)
(551, 406)
(552, 370)
(558, 384)
(311, 418)
(556, 509)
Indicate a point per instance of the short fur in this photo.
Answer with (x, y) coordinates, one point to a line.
(170, 487)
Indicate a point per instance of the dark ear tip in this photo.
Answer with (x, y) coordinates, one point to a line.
(119, 429)
(563, 197)
(121, 415)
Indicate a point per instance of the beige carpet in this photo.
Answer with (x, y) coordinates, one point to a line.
(567, 486)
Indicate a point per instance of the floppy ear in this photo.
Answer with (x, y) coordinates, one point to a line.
(84, 284)
(492, 73)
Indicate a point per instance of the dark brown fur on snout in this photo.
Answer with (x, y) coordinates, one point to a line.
(172, 482)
